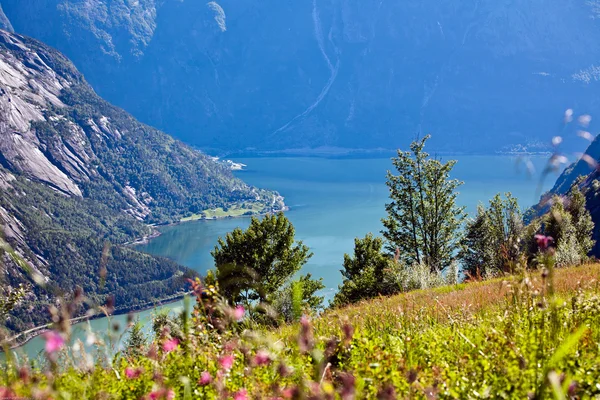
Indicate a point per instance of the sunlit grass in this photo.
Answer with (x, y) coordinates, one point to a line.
(236, 210)
(501, 338)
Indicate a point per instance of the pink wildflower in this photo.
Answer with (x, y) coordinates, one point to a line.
(6, 393)
(262, 358)
(239, 312)
(54, 342)
(543, 241)
(132, 373)
(162, 393)
(205, 378)
(241, 395)
(226, 362)
(170, 345)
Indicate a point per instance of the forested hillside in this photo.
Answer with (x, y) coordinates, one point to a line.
(80, 177)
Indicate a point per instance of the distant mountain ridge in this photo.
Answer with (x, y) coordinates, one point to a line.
(480, 75)
(80, 177)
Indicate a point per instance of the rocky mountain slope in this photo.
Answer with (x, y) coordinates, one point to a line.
(80, 177)
(481, 75)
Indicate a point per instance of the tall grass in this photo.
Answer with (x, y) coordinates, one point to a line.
(536, 335)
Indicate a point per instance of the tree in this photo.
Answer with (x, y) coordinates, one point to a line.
(298, 298)
(423, 219)
(254, 264)
(570, 224)
(582, 220)
(476, 253)
(136, 341)
(367, 273)
(493, 239)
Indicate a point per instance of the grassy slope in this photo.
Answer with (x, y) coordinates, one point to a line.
(498, 339)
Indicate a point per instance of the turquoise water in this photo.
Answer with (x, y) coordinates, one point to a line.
(331, 202)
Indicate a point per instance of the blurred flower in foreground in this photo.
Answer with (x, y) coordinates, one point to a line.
(162, 393)
(239, 312)
(205, 378)
(568, 115)
(584, 120)
(241, 395)
(170, 345)
(262, 358)
(226, 362)
(54, 342)
(543, 241)
(132, 373)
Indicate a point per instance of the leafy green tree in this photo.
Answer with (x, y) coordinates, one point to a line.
(136, 341)
(493, 239)
(256, 263)
(476, 253)
(367, 273)
(570, 224)
(582, 220)
(299, 297)
(423, 219)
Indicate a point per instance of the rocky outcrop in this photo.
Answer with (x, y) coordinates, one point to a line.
(79, 178)
(5, 22)
(480, 75)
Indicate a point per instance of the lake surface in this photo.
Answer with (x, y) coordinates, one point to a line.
(331, 202)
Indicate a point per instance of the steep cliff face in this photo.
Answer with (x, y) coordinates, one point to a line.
(480, 75)
(80, 177)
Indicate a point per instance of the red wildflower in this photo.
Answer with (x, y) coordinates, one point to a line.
(543, 241)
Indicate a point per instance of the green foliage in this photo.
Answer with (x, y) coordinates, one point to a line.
(476, 340)
(493, 239)
(256, 263)
(570, 224)
(367, 273)
(582, 220)
(299, 297)
(423, 219)
(81, 242)
(370, 273)
(136, 342)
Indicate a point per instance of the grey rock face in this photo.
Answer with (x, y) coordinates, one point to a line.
(5, 22)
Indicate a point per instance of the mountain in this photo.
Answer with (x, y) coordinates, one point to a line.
(584, 172)
(480, 75)
(79, 178)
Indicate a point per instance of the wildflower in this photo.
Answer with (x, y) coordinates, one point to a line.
(290, 393)
(348, 383)
(162, 393)
(283, 370)
(543, 241)
(133, 373)
(54, 342)
(226, 362)
(170, 345)
(305, 339)
(238, 313)
(262, 358)
(241, 395)
(205, 378)
(6, 393)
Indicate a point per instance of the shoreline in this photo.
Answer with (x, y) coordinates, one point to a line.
(40, 330)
